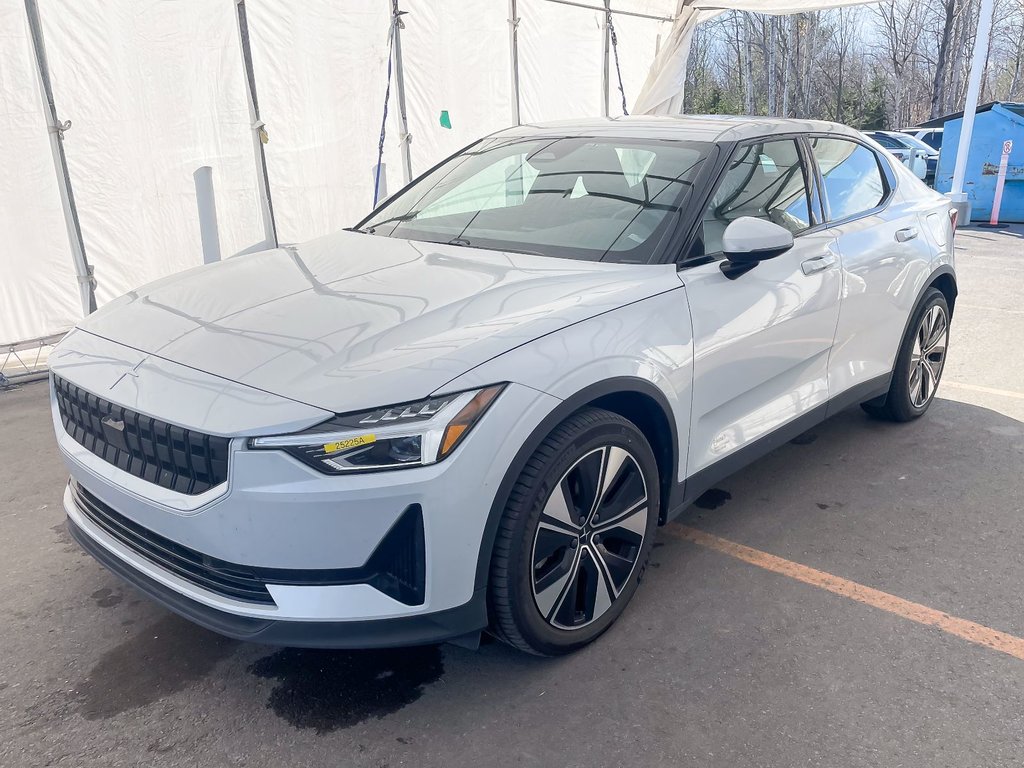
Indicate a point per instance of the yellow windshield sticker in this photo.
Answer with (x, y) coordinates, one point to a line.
(352, 442)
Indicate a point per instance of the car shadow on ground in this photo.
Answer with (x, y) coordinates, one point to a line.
(323, 691)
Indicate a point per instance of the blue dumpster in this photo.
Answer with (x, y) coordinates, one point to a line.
(997, 123)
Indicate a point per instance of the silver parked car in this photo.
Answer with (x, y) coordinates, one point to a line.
(472, 410)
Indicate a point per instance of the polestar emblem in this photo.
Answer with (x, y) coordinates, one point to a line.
(113, 423)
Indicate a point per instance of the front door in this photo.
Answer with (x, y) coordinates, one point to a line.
(761, 341)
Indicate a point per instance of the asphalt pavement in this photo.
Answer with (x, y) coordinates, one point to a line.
(719, 661)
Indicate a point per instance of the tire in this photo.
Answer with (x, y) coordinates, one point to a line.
(919, 362)
(556, 583)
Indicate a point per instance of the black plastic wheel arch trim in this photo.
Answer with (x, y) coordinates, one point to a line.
(613, 386)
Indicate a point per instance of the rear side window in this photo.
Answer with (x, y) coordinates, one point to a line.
(764, 180)
(853, 181)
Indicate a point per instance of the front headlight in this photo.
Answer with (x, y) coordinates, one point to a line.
(407, 435)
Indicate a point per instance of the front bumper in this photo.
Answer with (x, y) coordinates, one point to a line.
(450, 624)
(277, 516)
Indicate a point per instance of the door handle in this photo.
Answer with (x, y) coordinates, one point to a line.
(907, 233)
(818, 264)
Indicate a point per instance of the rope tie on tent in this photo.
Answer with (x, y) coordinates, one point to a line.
(396, 22)
(615, 50)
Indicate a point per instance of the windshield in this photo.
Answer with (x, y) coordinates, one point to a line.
(916, 143)
(598, 199)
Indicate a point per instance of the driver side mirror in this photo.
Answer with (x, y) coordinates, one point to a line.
(748, 241)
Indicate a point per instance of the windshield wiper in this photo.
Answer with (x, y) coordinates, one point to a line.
(464, 243)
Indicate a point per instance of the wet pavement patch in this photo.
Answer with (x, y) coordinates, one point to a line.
(712, 499)
(328, 690)
(154, 662)
(106, 597)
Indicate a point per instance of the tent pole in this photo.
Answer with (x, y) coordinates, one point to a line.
(956, 192)
(86, 284)
(513, 46)
(634, 14)
(403, 120)
(259, 132)
(605, 52)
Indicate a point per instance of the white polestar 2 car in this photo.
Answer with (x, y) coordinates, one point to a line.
(471, 411)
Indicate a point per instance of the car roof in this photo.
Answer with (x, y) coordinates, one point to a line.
(712, 128)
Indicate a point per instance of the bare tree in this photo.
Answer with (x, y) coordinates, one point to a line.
(949, 12)
(889, 65)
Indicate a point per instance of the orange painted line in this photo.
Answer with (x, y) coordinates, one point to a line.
(983, 390)
(922, 614)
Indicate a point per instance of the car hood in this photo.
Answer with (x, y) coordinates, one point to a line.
(354, 321)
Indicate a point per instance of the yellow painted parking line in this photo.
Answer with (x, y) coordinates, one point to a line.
(922, 614)
(983, 390)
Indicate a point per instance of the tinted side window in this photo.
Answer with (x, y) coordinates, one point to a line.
(764, 180)
(886, 141)
(853, 180)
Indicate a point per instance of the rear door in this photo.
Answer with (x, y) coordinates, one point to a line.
(885, 256)
(761, 341)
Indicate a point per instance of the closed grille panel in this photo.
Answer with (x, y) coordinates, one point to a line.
(164, 454)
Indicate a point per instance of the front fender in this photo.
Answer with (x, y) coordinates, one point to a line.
(645, 348)
(649, 341)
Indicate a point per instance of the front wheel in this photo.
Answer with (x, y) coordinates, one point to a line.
(919, 362)
(575, 536)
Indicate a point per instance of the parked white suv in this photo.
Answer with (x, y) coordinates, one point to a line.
(930, 136)
(473, 410)
(920, 158)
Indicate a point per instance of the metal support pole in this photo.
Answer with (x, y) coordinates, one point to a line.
(86, 283)
(634, 14)
(513, 45)
(404, 138)
(956, 192)
(259, 131)
(605, 53)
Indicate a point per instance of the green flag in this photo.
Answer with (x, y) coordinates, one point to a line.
(446, 122)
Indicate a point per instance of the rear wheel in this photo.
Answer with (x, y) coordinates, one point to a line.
(919, 363)
(575, 536)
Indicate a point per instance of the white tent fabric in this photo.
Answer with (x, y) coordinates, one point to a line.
(323, 108)
(560, 54)
(38, 289)
(443, 38)
(156, 90)
(320, 78)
